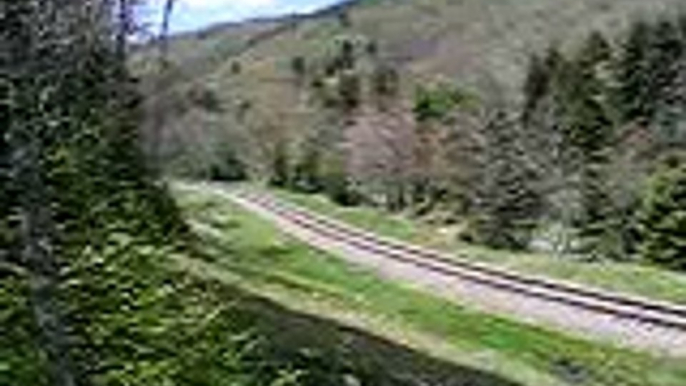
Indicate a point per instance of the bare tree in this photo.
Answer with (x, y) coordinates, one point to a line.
(158, 114)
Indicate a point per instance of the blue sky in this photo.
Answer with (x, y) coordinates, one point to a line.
(195, 14)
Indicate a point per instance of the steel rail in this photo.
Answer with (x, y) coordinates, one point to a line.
(641, 310)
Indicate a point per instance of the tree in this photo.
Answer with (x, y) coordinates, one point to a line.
(668, 60)
(435, 103)
(299, 68)
(337, 183)
(236, 68)
(589, 132)
(662, 218)
(228, 166)
(537, 84)
(307, 176)
(32, 65)
(506, 204)
(544, 119)
(346, 58)
(280, 173)
(81, 184)
(385, 84)
(349, 96)
(634, 74)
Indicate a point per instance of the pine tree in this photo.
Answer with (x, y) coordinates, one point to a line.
(669, 61)
(543, 116)
(634, 75)
(7, 194)
(590, 133)
(536, 86)
(507, 205)
(662, 218)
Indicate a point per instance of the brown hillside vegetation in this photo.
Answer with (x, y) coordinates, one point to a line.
(244, 70)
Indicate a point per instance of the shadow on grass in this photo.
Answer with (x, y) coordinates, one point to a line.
(331, 354)
(323, 351)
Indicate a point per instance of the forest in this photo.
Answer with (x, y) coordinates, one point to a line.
(87, 294)
(588, 163)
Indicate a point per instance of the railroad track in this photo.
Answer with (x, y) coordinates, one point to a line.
(627, 320)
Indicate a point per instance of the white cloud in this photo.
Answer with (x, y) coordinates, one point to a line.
(232, 4)
(195, 14)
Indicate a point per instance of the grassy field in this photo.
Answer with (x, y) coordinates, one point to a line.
(250, 253)
(631, 278)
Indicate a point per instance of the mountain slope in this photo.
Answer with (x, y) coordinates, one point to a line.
(483, 46)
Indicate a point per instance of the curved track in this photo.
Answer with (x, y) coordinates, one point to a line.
(627, 320)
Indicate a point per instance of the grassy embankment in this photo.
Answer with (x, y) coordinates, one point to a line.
(250, 253)
(631, 278)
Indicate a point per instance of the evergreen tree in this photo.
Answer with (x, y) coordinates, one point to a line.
(7, 195)
(634, 75)
(589, 133)
(544, 114)
(507, 205)
(669, 61)
(307, 175)
(536, 86)
(662, 218)
(92, 299)
(280, 173)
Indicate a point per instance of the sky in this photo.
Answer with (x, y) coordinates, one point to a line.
(195, 14)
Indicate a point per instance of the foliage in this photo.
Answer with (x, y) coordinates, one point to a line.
(385, 81)
(435, 103)
(21, 360)
(662, 218)
(337, 184)
(307, 174)
(280, 173)
(307, 279)
(299, 67)
(588, 132)
(95, 296)
(349, 90)
(229, 166)
(506, 204)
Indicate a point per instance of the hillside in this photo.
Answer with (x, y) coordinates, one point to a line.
(243, 71)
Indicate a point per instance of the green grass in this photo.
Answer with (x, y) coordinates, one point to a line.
(250, 251)
(631, 278)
